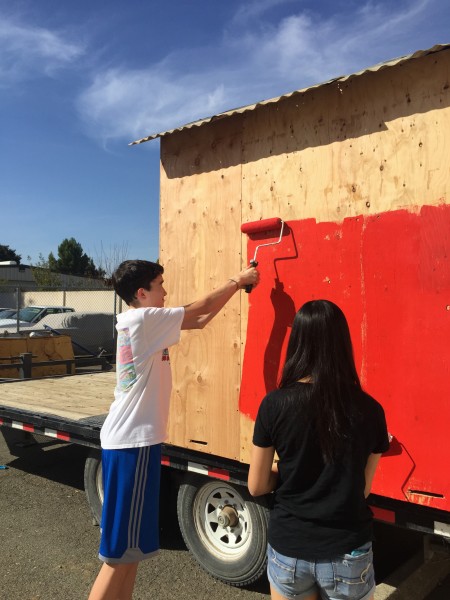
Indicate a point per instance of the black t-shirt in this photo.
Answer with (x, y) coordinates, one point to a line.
(319, 509)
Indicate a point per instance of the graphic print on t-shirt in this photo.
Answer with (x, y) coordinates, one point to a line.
(165, 355)
(125, 363)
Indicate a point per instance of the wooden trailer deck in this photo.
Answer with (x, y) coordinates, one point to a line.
(72, 397)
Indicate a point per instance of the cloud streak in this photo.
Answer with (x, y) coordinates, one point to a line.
(255, 9)
(270, 60)
(27, 51)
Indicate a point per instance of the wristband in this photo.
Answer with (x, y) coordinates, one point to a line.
(234, 281)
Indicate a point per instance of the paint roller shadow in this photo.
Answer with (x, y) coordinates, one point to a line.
(284, 309)
(395, 448)
(284, 313)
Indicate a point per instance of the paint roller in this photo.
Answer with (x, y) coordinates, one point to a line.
(259, 227)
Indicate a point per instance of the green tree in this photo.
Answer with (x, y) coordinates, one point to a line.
(72, 260)
(7, 253)
(43, 275)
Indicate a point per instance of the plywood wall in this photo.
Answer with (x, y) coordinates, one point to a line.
(200, 249)
(376, 143)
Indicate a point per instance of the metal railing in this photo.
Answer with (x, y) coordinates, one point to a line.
(25, 364)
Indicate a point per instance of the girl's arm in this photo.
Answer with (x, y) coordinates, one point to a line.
(263, 473)
(371, 466)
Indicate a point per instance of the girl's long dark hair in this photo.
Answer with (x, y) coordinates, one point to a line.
(320, 347)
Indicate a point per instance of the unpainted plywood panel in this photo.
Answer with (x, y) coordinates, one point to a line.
(200, 248)
(372, 144)
(246, 427)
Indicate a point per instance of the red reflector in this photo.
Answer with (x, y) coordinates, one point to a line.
(219, 474)
(383, 515)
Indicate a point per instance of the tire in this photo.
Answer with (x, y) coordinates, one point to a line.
(233, 554)
(93, 484)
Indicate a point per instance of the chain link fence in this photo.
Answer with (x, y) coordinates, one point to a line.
(87, 313)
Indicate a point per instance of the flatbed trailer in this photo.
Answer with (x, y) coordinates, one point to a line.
(71, 409)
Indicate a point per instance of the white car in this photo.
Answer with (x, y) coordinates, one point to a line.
(30, 315)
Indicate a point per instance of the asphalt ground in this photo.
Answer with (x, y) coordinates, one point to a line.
(49, 544)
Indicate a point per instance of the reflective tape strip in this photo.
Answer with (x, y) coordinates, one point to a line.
(215, 472)
(59, 435)
(381, 514)
(196, 468)
(22, 426)
(442, 529)
(219, 474)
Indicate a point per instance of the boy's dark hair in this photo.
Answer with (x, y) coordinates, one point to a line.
(132, 275)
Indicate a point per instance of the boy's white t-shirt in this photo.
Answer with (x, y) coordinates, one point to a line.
(139, 413)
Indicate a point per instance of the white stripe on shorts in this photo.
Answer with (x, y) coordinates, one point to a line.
(137, 500)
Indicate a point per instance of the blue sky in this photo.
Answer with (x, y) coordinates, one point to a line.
(81, 79)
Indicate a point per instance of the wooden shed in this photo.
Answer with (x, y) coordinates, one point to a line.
(358, 169)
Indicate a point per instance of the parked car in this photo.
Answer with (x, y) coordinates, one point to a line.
(7, 313)
(30, 315)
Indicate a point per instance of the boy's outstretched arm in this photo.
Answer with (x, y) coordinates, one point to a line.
(200, 312)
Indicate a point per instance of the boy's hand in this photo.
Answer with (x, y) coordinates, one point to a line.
(249, 276)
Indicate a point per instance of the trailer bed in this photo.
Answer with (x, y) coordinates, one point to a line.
(71, 397)
(71, 408)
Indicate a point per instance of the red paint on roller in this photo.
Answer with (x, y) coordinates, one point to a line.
(260, 226)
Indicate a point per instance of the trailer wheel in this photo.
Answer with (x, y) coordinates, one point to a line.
(93, 484)
(224, 529)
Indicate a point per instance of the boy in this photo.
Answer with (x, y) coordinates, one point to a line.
(132, 433)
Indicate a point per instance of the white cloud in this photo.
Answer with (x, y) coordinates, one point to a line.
(123, 104)
(256, 8)
(259, 63)
(28, 51)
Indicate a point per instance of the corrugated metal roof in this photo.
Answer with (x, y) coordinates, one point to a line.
(243, 109)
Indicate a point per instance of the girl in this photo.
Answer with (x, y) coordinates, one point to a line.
(329, 436)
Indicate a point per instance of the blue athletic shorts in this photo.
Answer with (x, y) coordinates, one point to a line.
(130, 514)
(346, 577)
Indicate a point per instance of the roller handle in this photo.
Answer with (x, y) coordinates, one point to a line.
(249, 287)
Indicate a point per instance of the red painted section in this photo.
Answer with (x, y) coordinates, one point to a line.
(61, 435)
(27, 427)
(219, 474)
(390, 275)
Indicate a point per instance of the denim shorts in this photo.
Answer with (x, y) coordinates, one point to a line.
(346, 577)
